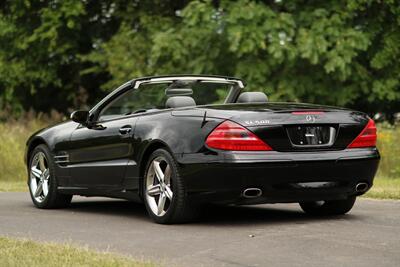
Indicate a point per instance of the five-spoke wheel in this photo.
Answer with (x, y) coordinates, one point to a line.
(158, 186)
(39, 177)
(164, 191)
(43, 182)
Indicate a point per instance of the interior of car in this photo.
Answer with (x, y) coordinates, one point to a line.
(187, 101)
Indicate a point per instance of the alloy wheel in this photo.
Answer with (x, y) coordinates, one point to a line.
(159, 192)
(39, 177)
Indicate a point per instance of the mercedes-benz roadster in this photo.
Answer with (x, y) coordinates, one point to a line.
(177, 142)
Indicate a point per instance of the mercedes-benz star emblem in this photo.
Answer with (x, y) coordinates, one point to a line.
(310, 118)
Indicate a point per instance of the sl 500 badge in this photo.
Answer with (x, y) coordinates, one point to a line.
(257, 122)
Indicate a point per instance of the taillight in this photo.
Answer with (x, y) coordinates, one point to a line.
(232, 136)
(367, 138)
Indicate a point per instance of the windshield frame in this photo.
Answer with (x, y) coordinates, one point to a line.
(237, 86)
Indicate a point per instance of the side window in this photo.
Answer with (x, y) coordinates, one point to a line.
(150, 97)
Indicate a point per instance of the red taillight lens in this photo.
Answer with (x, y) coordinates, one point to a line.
(232, 136)
(367, 138)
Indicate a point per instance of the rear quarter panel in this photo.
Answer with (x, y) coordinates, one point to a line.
(181, 134)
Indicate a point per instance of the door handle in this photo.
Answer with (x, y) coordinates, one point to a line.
(125, 129)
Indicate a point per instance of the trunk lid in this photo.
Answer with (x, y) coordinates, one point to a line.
(291, 126)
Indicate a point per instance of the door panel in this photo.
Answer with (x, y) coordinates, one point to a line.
(99, 155)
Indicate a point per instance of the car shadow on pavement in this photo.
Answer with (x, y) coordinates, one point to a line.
(110, 207)
(210, 215)
(261, 214)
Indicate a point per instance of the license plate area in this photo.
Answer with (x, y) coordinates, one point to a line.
(311, 136)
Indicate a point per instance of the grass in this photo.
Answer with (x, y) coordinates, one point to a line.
(385, 188)
(13, 135)
(22, 253)
(389, 147)
(13, 186)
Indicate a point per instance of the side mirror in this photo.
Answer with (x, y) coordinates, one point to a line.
(80, 116)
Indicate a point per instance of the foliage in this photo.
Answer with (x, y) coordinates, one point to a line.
(58, 54)
(326, 52)
(14, 252)
(40, 44)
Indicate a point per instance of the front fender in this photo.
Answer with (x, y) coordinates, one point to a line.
(55, 137)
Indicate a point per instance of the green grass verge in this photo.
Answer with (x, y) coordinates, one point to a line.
(385, 188)
(14, 252)
(13, 136)
(13, 186)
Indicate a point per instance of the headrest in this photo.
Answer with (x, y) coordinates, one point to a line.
(180, 101)
(252, 97)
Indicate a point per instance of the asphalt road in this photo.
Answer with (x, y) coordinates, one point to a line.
(264, 235)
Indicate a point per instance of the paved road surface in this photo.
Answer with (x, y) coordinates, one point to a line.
(265, 235)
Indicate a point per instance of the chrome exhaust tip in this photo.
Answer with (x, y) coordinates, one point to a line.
(252, 192)
(362, 187)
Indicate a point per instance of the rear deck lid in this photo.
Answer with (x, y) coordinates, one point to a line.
(290, 126)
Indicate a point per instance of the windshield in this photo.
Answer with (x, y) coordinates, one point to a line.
(154, 96)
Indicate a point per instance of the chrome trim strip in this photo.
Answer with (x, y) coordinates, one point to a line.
(101, 163)
(71, 187)
(189, 78)
(61, 159)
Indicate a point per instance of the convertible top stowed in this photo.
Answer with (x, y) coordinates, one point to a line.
(177, 154)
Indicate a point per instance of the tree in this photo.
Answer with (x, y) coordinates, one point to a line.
(325, 52)
(328, 52)
(40, 47)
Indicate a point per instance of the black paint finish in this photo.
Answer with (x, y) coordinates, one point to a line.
(101, 159)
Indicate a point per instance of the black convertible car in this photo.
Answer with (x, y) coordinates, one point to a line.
(176, 142)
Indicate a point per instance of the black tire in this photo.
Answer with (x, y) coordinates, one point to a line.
(329, 207)
(53, 199)
(179, 210)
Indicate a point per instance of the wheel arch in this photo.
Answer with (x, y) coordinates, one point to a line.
(32, 144)
(150, 148)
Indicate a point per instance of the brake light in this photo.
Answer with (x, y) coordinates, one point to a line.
(232, 136)
(307, 112)
(367, 138)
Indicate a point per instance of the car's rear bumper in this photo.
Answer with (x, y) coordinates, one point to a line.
(222, 177)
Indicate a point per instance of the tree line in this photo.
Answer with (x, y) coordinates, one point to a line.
(68, 54)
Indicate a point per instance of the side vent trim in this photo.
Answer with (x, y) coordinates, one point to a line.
(61, 159)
